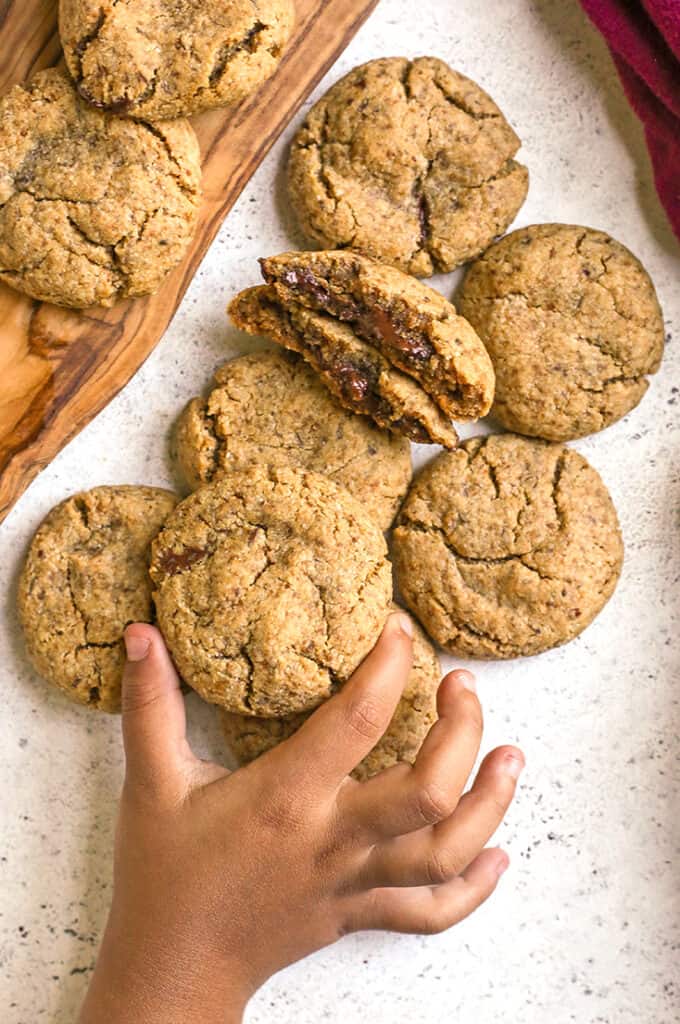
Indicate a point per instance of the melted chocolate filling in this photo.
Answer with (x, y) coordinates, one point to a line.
(357, 382)
(372, 324)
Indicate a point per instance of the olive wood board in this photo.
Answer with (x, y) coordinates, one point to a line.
(59, 367)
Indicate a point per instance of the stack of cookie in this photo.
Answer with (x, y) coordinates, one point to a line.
(272, 581)
(100, 172)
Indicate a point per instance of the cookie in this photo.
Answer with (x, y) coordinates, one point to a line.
(153, 59)
(361, 379)
(409, 162)
(507, 547)
(270, 407)
(93, 208)
(271, 586)
(84, 580)
(572, 323)
(249, 737)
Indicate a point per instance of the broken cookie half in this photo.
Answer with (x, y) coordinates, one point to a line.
(386, 345)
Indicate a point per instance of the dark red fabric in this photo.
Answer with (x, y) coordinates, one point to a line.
(644, 39)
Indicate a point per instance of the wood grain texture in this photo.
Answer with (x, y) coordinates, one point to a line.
(59, 368)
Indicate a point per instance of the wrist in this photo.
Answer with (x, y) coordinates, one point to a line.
(149, 979)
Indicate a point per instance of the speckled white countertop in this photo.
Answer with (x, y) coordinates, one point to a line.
(586, 925)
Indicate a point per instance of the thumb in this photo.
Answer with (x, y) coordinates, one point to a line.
(154, 721)
(343, 730)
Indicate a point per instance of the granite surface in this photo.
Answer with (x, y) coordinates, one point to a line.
(586, 924)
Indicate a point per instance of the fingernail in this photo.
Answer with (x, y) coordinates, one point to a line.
(405, 624)
(503, 864)
(136, 647)
(513, 765)
(467, 679)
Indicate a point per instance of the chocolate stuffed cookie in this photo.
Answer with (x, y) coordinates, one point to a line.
(386, 345)
(572, 324)
(271, 586)
(171, 58)
(507, 546)
(409, 162)
(86, 578)
(93, 208)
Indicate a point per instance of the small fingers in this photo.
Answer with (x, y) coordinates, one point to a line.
(425, 910)
(438, 854)
(406, 798)
(344, 729)
(154, 723)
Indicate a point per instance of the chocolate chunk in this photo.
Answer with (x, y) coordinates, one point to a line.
(356, 380)
(423, 220)
(83, 43)
(412, 429)
(378, 324)
(343, 308)
(121, 106)
(172, 562)
(301, 279)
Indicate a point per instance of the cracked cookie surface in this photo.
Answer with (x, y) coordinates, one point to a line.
(507, 547)
(362, 380)
(170, 58)
(86, 577)
(414, 327)
(93, 208)
(249, 737)
(270, 407)
(271, 586)
(572, 324)
(409, 162)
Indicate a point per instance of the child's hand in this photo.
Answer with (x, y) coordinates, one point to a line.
(222, 879)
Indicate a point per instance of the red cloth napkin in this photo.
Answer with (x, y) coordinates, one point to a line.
(644, 39)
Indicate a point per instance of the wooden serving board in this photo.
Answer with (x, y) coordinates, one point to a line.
(59, 368)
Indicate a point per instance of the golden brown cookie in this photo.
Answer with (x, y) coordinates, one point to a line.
(272, 584)
(249, 737)
(409, 162)
(361, 379)
(507, 547)
(171, 58)
(270, 407)
(84, 580)
(572, 324)
(93, 208)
